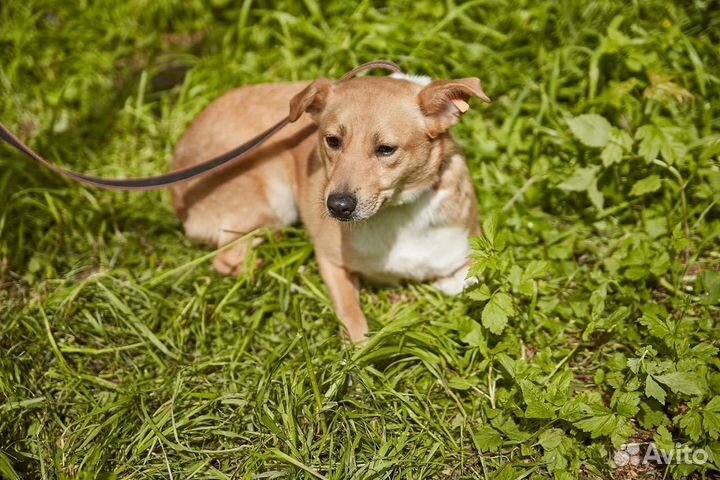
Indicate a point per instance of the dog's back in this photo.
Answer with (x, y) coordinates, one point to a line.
(259, 190)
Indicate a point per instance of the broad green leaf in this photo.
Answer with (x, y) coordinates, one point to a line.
(626, 404)
(682, 382)
(651, 416)
(591, 129)
(580, 180)
(663, 439)
(714, 404)
(555, 459)
(711, 423)
(536, 269)
(573, 410)
(507, 472)
(595, 195)
(515, 276)
(558, 391)
(654, 390)
(655, 141)
(656, 227)
(537, 407)
(523, 281)
(691, 423)
(539, 410)
(507, 362)
(557, 463)
(660, 264)
(472, 333)
(597, 300)
(497, 311)
(656, 327)
(636, 273)
(487, 438)
(599, 425)
(551, 438)
(705, 351)
(622, 432)
(489, 228)
(527, 287)
(634, 365)
(481, 294)
(507, 426)
(648, 184)
(620, 142)
(651, 139)
(710, 287)
(711, 417)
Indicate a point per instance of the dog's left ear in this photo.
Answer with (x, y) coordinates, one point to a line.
(444, 101)
(311, 99)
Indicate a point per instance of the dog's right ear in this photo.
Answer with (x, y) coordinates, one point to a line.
(443, 102)
(311, 100)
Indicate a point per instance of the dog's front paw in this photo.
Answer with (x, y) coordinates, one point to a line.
(357, 333)
(456, 283)
(231, 262)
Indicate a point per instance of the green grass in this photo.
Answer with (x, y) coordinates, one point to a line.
(596, 320)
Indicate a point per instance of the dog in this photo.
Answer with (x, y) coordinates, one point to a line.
(368, 165)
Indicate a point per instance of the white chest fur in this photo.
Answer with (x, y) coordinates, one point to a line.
(409, 241)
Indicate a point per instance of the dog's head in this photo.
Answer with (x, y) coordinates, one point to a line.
(380, 137)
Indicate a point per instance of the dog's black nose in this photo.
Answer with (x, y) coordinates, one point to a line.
(341, 205)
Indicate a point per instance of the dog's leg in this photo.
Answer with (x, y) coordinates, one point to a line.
(344, 289)
(457, 282)
(232, 261)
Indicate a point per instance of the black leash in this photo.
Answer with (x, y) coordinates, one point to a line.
(172, 178)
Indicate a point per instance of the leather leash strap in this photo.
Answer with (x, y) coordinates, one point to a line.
(172, 178)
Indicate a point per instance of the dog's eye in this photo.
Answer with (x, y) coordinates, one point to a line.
(385, 150)
(333, 141)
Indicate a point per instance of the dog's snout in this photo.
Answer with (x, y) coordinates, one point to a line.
(341, 205)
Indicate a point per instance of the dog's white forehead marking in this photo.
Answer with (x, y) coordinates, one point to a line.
(419, 79)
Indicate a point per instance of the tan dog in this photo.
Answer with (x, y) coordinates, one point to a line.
(372, 172)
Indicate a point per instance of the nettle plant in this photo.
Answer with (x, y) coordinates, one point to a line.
(598, 293)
